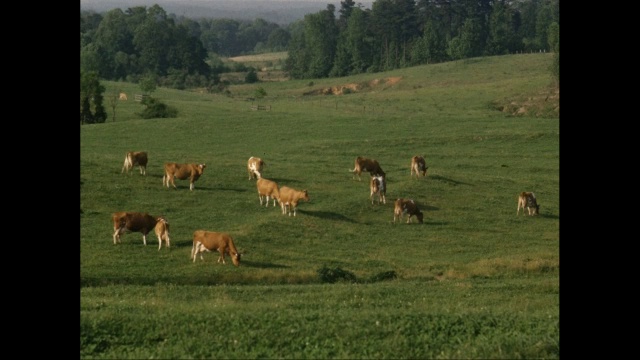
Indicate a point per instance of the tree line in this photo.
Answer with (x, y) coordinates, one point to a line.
(147, 44)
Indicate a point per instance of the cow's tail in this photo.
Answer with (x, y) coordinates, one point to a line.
(128, 163)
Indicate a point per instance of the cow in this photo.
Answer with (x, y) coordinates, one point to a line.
(267, 189)
(133, 158)
(211, 241)
(254, 166)
(289, 199)
(162, 232)
(406, 206)
(123, 96)
(182, 172)
(419, 166)
(363, 164)
(124, 221)
(528, 200)
(378, 185)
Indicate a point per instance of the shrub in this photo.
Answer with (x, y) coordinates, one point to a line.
(156, 109)
(328, 275)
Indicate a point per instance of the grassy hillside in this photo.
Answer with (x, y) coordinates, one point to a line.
(473, 281)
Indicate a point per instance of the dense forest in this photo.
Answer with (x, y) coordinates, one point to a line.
(147, 44)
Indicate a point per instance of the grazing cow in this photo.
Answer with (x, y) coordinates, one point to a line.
(528, 200)
(254, 166)
(378, 186)
(123, 96)
(133, 158)
(363, 164)
(267, 189)
(289, 198)
(124, 221)
(162, 232)
(419, 166)
(182, 172)
(406, 206)
(212, 241)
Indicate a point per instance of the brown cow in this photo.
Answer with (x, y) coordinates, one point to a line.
(406, 206)
(254, 166)
(289, 198)
(378, 185)
(528, 200)
(124, 221)
(182, 172)
(419, 166)
(267, 189)
(133, 158)
(162, 232)
(370, 165)
(212, 241)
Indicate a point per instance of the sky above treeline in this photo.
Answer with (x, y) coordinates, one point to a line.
(277, 11)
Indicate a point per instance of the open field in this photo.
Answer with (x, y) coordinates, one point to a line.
(473, 281)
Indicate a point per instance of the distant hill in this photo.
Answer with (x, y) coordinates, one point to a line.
(281, 12)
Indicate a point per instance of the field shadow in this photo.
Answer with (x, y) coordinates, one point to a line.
(262, 265)
(447, 180)
(326, 215)
(285, 182)
(550, 216)
(430, 208)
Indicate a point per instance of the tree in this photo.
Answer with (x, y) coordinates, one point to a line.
(113, 101)
(148, 83)
(91, 109)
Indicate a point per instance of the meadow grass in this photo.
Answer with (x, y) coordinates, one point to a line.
(473, 281)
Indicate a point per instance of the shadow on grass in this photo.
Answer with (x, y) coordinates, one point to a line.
(447, 180)
(262, 265)
(326, 215)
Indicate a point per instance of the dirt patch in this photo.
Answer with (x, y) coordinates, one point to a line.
(353, 87)
(545, 103)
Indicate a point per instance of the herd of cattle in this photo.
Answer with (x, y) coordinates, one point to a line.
(268, 190)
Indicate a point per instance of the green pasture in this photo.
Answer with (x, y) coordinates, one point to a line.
(473, 281)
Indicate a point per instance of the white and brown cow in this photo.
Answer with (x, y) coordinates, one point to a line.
(289, 199)
(528, 200)
(363, 164)
(130, 221)
(133, 158)
(378, 185)
(408, 207)
(162, 232)
(214, 241)
(254, 167)
(267, 189)
(182, 172)
(418, 166)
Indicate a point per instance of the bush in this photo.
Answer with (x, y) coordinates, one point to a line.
(155, 109)
(336, 274)
(251, 77)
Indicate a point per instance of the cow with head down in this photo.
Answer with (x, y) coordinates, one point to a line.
(133, 158)
(182, 172)
(378, 185)
(527, 199)
(130, 221)
(208, 241)
(363, 164)
(418, 166)
(408, 207)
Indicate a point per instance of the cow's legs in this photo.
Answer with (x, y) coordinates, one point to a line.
(191, 186)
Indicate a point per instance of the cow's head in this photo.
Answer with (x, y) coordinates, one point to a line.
(419, 216)
(201, 168)
(305, 197)
(236, 258)
(536, 209)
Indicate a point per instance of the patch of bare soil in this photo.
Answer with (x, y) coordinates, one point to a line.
(354, 87)
(545, 104)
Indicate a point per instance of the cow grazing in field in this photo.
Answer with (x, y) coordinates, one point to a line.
(363, 164)
(254, 166)
(182, 172)
(267, 189)
(133, 158)
(528, 200)
(378, 185)
(406, 206)
(124, 221)
(419, 166)
(214, 241)
(289, 199)
(162, 232)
